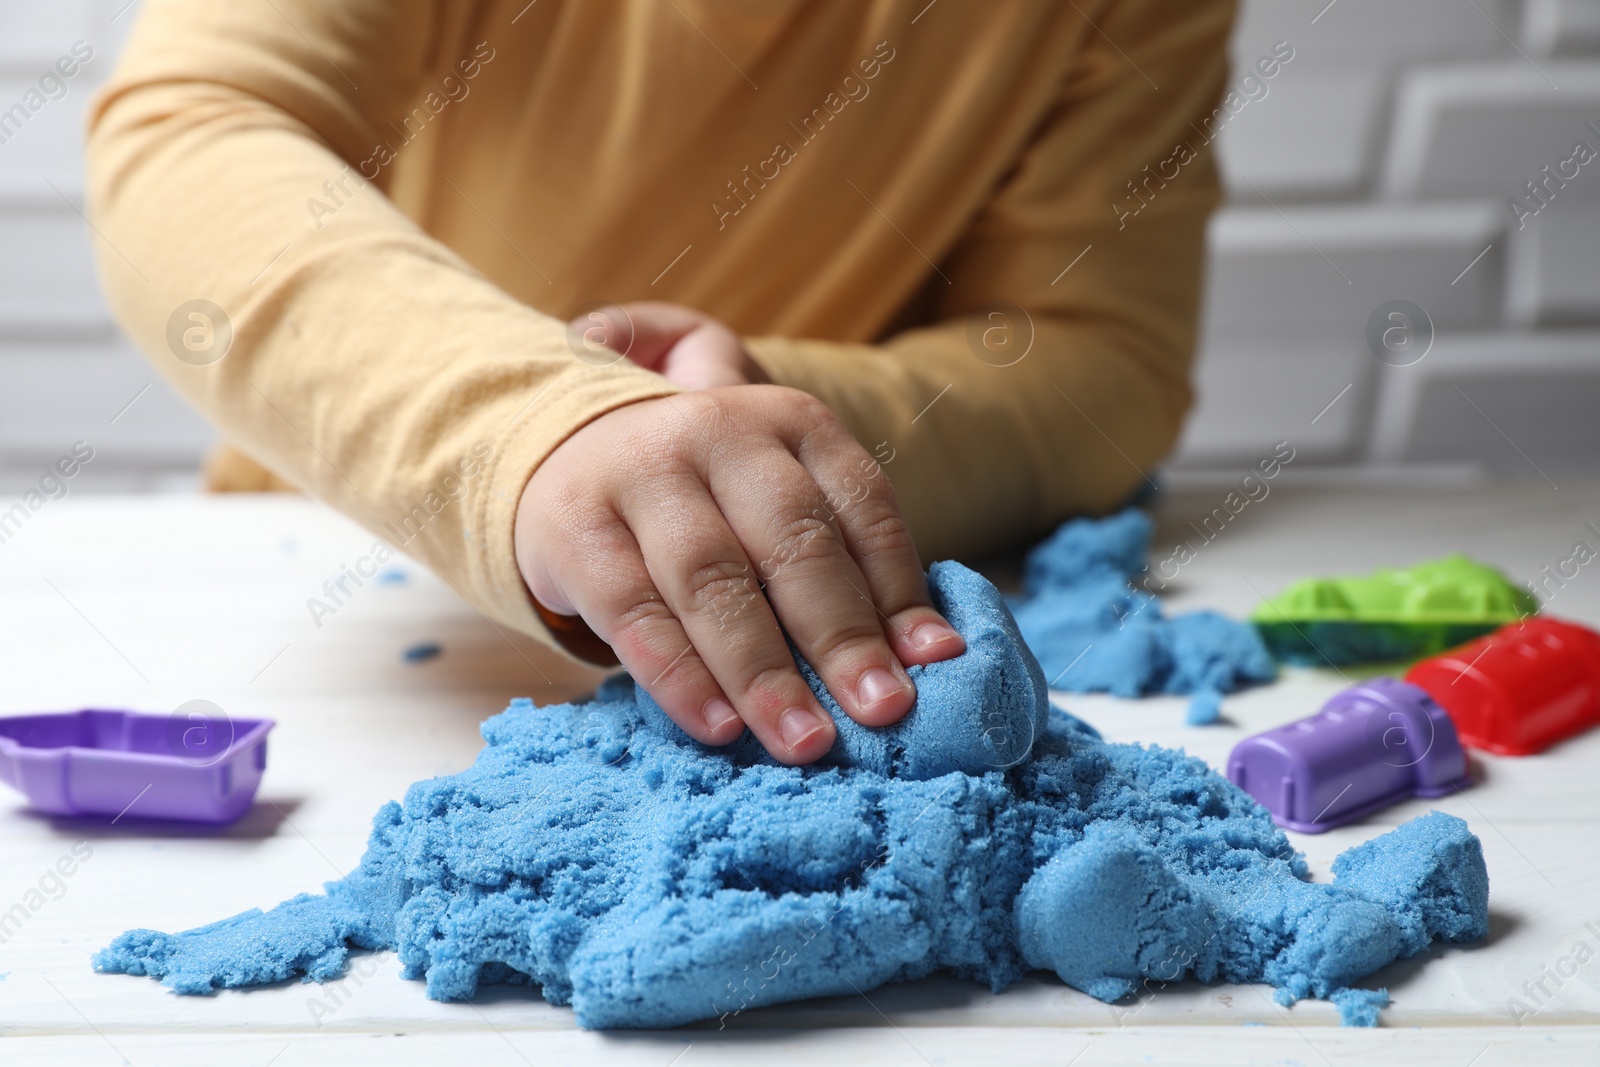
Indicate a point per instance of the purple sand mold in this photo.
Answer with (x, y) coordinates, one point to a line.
(99, 761)
(598, 853)
(1093, 632)
(1371, 746)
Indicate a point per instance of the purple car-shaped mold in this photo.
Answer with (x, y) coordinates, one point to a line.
(1371, 746)
(196, 765)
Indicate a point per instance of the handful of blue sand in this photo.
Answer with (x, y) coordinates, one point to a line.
(597, 852)
(1093, 631)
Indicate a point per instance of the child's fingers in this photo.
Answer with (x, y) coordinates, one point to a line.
(780, 517)
(613, 591)
(702, 570)
(691, 349)
(863, 505)
(709, 356)
(644, 331)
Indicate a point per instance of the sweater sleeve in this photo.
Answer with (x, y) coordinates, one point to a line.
(1055, 372)
(232, 161)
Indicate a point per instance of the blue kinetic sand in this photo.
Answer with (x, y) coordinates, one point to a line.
(1093, 632)
(597, 852)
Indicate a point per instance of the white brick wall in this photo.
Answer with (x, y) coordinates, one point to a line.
(1379, 165)
(1522, 404)
(1555, 269)
(1486, 129)
(68, 374)
(1304, 270)
(1555, 27)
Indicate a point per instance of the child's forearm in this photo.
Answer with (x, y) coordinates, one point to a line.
(369, 364)
(985, 458)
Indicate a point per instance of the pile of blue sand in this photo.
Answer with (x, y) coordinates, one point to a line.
(1094, 632)
(597, 852)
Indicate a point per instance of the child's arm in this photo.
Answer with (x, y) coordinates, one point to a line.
(370, 364)
(1092, 252)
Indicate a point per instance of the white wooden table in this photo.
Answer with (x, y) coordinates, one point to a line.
(149, 602)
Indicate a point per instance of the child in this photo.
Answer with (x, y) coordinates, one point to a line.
(804, 247)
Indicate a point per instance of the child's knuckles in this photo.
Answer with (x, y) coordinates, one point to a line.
(878, 529)
(801, 538)
(842, 652)
(642, 631)
(715, 585)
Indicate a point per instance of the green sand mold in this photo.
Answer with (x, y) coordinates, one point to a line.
(1397, 613)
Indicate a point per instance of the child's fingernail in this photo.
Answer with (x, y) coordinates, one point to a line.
(929, 634)
(797, 725)
(878, 685)
(718, 713)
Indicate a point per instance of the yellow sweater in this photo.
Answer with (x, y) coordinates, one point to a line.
(973, 227)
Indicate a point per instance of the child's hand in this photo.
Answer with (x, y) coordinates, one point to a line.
(658, 522)
(687, 347)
